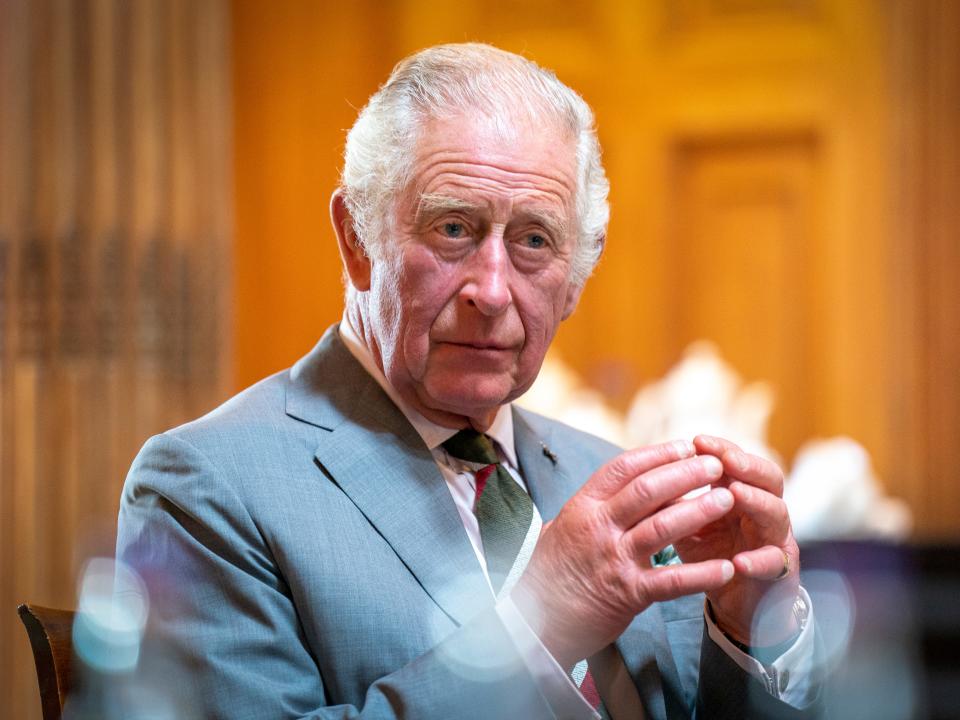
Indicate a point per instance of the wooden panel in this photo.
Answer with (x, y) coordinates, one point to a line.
(924, 375)
(742, 250)
(14, 185)
(104, 105)
(686, 15)
(301, 72)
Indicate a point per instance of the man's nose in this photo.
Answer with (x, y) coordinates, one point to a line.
(487, 287)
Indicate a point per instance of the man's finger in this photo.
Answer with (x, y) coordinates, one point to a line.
(655, 488)
(628, 465)
(673, 581)
(714, 445)
(741, 465)
(765, 509)
(753, 469)
(767, 563)
(676, 521)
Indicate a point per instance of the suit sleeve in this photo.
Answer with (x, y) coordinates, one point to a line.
(725, 690)
(225, 633)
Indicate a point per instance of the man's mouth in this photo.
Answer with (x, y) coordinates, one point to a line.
(481, 345)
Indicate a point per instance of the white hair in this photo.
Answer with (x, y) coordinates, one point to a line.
(442, 81)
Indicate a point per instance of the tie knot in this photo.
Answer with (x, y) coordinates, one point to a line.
(472, 446)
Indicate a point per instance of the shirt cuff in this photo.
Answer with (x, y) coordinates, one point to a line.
(554, 684)
(790, 676)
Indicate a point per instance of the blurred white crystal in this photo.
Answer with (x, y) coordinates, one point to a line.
(833, 492)
(702, 394)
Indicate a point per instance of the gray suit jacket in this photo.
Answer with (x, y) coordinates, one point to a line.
(305, 559)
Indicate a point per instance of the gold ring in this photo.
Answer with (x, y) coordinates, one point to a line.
(786, 566)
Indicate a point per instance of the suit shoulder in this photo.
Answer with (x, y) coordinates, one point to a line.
(252, 409)
(235, 450)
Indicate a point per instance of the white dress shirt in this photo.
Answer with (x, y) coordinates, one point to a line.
(788, 677)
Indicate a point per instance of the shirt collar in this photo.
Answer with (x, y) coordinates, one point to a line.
(501, 430)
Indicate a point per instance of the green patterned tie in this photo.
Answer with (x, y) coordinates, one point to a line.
(504, 511)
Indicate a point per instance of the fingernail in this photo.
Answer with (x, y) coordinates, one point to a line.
(741, 461)
(727, 570)
(747, 564)
(684, 448)
(713, 466)
(722, 498)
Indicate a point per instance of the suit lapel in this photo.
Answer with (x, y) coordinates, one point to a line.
(542, 469)
(378, 460)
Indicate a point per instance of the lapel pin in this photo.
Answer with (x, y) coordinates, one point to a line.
(549, 453)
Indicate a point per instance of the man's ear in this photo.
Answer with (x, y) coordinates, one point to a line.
(573, 291)
(355, 260)
(573, 297)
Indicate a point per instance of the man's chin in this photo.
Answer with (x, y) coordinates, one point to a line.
(470, 396)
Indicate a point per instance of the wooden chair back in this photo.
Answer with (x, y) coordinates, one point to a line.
(51, 637)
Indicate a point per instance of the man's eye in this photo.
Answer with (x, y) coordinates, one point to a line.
(453, 229)
(536, 241)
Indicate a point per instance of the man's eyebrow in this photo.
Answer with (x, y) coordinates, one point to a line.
(553, 222)
(431, 205)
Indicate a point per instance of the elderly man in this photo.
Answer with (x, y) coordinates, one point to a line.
(377, 532)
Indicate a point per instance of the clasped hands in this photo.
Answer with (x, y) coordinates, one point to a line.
(590, 573)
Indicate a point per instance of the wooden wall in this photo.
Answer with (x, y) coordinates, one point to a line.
(114, 273)
(301, 71)
(923, 237)
(782, 177)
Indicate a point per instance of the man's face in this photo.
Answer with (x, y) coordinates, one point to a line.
(469, 294)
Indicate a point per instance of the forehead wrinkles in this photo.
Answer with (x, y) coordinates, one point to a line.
(483, 178)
